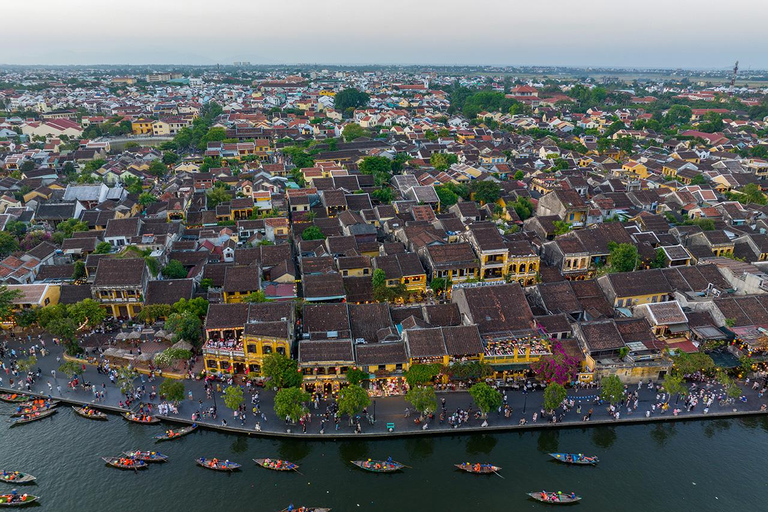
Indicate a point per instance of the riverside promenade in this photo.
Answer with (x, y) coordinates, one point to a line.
(389, 412)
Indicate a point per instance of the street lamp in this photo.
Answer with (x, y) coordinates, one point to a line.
(525, 399)
(374, 411)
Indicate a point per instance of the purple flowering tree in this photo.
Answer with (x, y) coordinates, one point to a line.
(559, 367)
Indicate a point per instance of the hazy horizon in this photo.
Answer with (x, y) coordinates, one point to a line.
(682, 34)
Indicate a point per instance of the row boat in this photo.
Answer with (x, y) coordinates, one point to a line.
(378, 466)
(277, 464)
(17, 500)
(173, 434)
(25, 411)
(146, 456)
(478, 468)
(89, 412)
(33, 417)
(217, 465)
(554, 498)
(125, 462)
(575, 458)
(16, 477)
(145, 419)
(38, 401)
(305, 509)
(13, 398)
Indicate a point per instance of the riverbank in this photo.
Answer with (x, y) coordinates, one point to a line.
(432, 431)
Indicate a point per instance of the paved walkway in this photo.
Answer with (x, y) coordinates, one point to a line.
(387, 410)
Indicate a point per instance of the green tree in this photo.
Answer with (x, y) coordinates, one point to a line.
(383, 195)
(438, 284)
(523, 207)
(613, 389)
(447, 196)
(7, 299)
(561, 227)
(125, 378)
(554, 394)
(103, 248)
(66, 329)
(485, 191)
(174, 270)
(353, 399)
(674, 384)
(486, 397)
(69, 368)
(312, 233)
(216, 196)
(197, 306)
(185, 326)
(660, 261)
(423, 399)
(256, 297)
(87, 312)
(170, 158)
(753, 194)
(677, 115)
(282, 370)
(26, 318)
(173, 390)
(623, 257)
(353, 131)
(519, 175)
(356, 375)
(157, 169)
(233, 397)
(290, 403)
(146, 198)
(688, 364)
(350, 99)
(8, 243)
(150, 313)
(419, 374)
(27, 364)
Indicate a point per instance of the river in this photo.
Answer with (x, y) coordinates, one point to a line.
(702, 466)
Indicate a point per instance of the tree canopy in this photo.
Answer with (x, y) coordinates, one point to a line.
(486, 397)
(612, 389)
(233, 397)
(353, 399)
(350, 99)
(289, 403)
(282, 370)
(172, 389)
(554, 394)
(423, 399)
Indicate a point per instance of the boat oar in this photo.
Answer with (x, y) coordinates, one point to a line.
(406, 466)
(299, 472)
(498, 475)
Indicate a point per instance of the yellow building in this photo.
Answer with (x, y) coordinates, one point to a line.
(142, 126)
(32, 296)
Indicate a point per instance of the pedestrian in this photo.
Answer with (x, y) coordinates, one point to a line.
(58, 389)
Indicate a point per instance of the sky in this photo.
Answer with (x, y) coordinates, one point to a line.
(709, 34)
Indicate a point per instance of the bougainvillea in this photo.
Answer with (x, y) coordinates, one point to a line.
(559, 367)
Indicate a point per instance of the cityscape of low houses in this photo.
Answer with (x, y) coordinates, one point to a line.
(367, 220)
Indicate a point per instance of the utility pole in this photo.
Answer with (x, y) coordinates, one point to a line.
(733, 78)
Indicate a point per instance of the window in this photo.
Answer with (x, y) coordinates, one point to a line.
(382, 367)
(252, 348)
(267, 349)
(399, 366)
(281, 350)
(344, 273)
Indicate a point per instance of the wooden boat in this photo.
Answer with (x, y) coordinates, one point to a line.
(33, 417)
(89, 412)
(478, 468)
(147, 456)
(554, 498)
(174, 434)
(16, 477)
(378, 466)
(14, 398)
(145, 419)
(305, 509)
(17, 500)
(125, 462)
(277, 464)
(23, 411)
(575, 458)
(217, 465)
(38, 401)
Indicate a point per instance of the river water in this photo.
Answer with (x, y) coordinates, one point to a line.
(713, 465)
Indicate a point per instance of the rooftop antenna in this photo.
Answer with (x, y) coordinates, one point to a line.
(733, 78)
